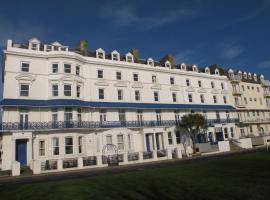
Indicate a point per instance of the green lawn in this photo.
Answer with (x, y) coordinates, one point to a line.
(240, 177)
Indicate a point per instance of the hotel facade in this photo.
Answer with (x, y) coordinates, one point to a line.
(68, 108)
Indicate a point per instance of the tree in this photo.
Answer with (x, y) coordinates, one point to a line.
(193, 124)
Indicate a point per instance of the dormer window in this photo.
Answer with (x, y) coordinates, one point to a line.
(34, 46)
(194, 68)
(249, 76)
(63, 48)
(216, 72)
(129, 58)
(56, 48)
(207, 70)
(100, 54)
(115, 55)
(255, 77)
(168, 64)
(240, 74)
(49, 48)
(150, 62)
(183, 66)
(245, 75)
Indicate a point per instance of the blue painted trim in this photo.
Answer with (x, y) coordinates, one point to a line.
(95, 104)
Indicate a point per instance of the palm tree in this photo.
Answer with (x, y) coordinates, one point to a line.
(193, 124)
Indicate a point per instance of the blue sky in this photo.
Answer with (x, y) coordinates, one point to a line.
(228, 32)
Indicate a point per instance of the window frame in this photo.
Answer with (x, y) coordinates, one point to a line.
(26, 91)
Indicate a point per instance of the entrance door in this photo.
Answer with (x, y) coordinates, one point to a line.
(21, 152)
(147, 138)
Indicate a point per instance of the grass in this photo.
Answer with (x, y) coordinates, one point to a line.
(244, 176)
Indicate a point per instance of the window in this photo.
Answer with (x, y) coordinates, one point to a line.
(225, 99)
(187, 82)
(215, 99)
(222, 86)
(217, 115)
(137, 95)
(67, 90)
(102, 116)
(115, 56)
(54, 68)
(245, 100)
(24, 90)
(49, 48)
(202, 98)
(69, 145)
(122, 115)
(212, 84)
(34, 46)
(120, 142)
(68, 115)
(55, 146)
(140, 116)
(67, 68)
(129, 59)
(80, 139)
(199, 83)
(118, 75)
(54, 115)
(135, 77)
(55, 90)
(227, 115)
(178, 137)
(172, 81)
(248, 87)
(120, 94)
(252, 88)
(170, 139)
(250, 129)
(41, 148)
(79, 114)
(174, 97)
(154, 79)
(100, 73)
(101, 93)
(156, 97)
(25, 67)
(190, 100)
(109, 139)
(78, 69)
(100, 55)
(78, 91)
(258, 89)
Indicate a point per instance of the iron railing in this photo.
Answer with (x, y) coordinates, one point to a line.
(7, 126)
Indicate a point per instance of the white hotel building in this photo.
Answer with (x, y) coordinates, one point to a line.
(70, 108)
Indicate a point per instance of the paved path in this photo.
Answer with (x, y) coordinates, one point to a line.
(93, 172)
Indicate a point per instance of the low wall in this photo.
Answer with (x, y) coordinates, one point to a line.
(224, 146)
(244, 143)
(204, 147)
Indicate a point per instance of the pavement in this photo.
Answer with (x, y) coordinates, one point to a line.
(93, 172)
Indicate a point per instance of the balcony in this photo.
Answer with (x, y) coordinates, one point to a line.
(32, 126)
(237, 92)
(255, 121)
(235, 78)
(266, 94)
(265, 83)
(240, 105)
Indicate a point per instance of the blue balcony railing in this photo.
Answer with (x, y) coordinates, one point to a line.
(5, 126)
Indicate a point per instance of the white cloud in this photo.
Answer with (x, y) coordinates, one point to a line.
(20, 31)
(127, 15)
(264, 64)
(231, 51)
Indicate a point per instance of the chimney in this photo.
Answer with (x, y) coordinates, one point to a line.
(169, 58)
(135, 53)
(82, 46)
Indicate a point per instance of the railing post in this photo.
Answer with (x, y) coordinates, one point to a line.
(169, 153)
(80, 162)
(154, 152)
(59, 164)
(178, 152)
(141, 156)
